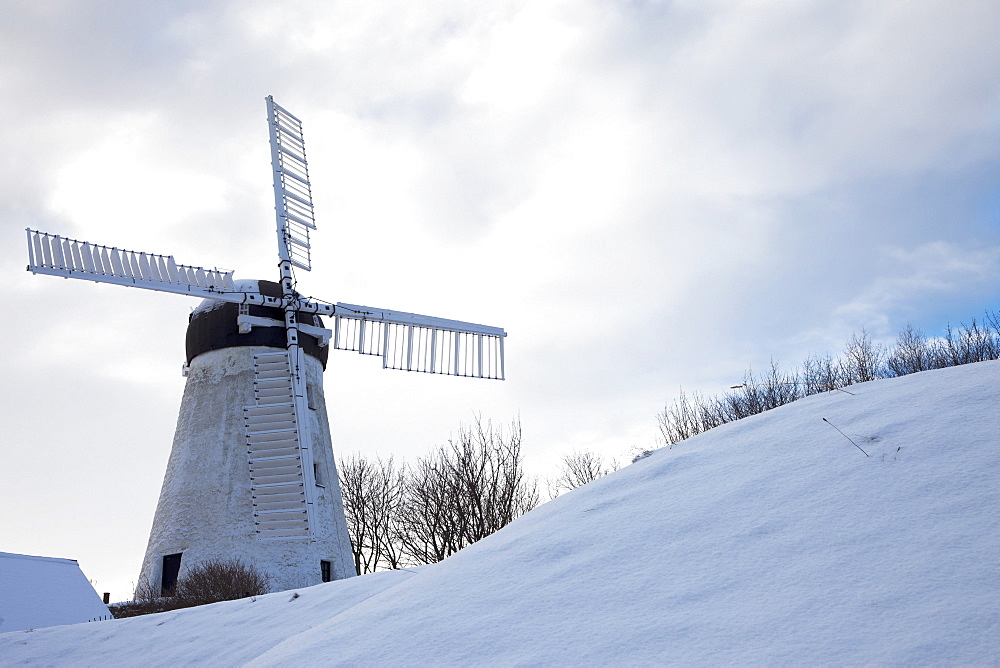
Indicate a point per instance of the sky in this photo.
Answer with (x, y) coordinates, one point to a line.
(646, 196)
(770, 541)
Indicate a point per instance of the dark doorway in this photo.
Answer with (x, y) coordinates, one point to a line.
(171, 567)
(324, 570)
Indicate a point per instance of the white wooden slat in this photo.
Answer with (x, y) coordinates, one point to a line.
(88, 258)
(57, 252)
(269, 410)
(158, 268)
(144, 269)
(281, 448)
(76, 255)
(278, 505)
(172, 269)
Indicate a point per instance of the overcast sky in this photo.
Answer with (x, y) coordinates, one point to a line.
(646, 196)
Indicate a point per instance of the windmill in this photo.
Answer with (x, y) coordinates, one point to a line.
(251, 472)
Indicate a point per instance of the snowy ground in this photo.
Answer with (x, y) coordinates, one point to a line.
(770, 540)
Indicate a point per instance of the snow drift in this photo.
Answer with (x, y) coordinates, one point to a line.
(769, 540)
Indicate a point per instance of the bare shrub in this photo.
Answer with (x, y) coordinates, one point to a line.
(913, 352)
(821, 374)
(639, 454)
(971, 343)
(208, 582)
(773, 389)
(863, 360)
(578, 468)
(993, 320)
(146, 600)
(684, 418)
(755, 395)
(219, 580)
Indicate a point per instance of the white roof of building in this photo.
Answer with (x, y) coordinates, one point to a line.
(45, 591)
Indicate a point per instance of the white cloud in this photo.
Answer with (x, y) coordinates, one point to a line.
(909, 275)
(123, 182)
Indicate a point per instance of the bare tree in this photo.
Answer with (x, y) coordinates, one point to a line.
(385, 500)
(578, 468)
(373, 491)
(429, 519)
(355, 477)
(464, 491)
(487, 471)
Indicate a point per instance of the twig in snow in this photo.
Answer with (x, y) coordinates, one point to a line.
(846, 436)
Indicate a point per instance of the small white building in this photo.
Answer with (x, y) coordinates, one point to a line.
(36, 592)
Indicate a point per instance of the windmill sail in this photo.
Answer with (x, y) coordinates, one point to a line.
(412, 342)
(292, 192)
(70, 258)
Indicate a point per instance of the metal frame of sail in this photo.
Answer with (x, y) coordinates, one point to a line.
(292, 190)
(71, 258)
(412, 342)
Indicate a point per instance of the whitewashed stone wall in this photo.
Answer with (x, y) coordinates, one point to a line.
(205, 508)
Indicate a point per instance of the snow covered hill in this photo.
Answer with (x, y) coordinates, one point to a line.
(769, 540)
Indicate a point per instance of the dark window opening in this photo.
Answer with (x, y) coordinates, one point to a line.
(324, 570)
(317, 478)
(171, 567)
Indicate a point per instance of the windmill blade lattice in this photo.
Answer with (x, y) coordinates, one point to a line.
(412, 342)
(292, 192)
(70, 258)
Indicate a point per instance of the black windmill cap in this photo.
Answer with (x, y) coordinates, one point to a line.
(214, 327)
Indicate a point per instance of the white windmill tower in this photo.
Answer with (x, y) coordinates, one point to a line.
(251, 472)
